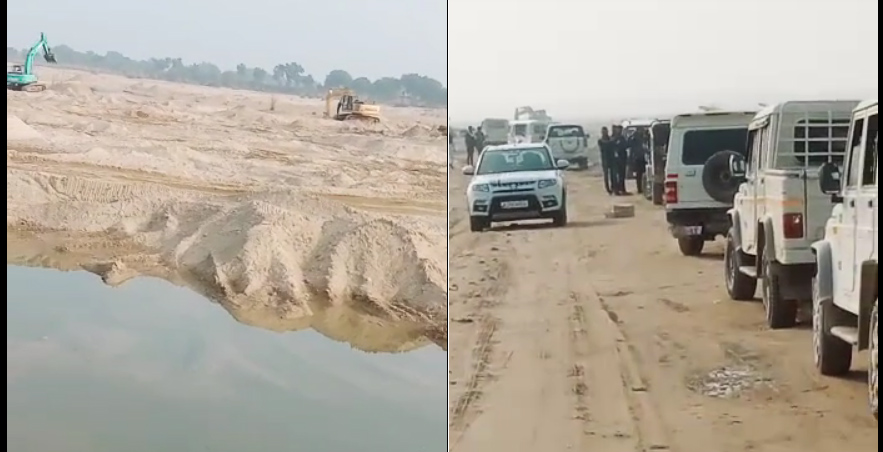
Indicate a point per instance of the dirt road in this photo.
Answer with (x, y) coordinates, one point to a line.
(601, 337)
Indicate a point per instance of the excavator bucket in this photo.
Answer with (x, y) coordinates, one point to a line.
(49, 57)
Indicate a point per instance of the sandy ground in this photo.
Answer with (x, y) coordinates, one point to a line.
(286, 219)
(601, 337)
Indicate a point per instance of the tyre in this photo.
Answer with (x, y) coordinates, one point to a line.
(691, 246)
(646, 187)
(740, 287)
(832, 356)
(582, 164)
(780, 313)
(559, 220)
(658, 194)
(478, 224)
(873, 342)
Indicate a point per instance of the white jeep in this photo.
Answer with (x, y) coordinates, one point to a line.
(698, 187)
(845, 284)
(516, 182)
(779, 210)
(569, 142)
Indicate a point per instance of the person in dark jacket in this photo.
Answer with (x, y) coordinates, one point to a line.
(638, 157)
(620, 161)
(470, 146)
(608, 152)
(479, 140)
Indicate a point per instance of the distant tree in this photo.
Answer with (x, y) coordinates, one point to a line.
(338, 78)
(289, 77)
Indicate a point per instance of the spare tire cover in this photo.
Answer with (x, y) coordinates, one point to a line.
(718, 180)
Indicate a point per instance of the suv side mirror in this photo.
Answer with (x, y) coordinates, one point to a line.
(829, 179)
(468, 170)
(562, 164)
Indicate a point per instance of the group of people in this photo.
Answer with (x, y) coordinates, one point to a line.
(475, 141)
(618, 153)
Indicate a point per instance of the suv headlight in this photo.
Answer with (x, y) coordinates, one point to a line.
(481, 188)
(546, 183)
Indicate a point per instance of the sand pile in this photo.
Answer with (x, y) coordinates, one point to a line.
(286, 229)
(19, 134)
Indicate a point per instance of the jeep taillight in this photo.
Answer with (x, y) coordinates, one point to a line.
(792, 225)
(671, 190)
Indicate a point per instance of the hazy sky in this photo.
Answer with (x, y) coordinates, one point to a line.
(602, 58)
(373, 38)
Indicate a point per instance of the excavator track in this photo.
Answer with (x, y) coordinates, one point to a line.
(34, 88)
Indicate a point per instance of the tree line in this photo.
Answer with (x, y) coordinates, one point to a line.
(288, 78)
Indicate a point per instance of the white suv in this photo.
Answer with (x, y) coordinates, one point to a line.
(698, 187)
(516, 182)
(845, 284)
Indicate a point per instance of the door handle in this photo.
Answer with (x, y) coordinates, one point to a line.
(851, 203)
(871, 204)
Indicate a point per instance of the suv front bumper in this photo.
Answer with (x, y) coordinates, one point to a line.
(512, 207)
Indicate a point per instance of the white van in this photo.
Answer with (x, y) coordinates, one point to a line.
(569, 142)
(527, 131)
(496, 131)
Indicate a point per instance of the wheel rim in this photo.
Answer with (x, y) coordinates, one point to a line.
(872, 368)
(816, 326)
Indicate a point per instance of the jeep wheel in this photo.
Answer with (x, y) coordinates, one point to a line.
(646, 187)
(658, 194)
(582, 164)
(691, 246)
(873, 342)
(478, 224)
(780, 313)
(832, 356)
(559, 218)
(740, 286)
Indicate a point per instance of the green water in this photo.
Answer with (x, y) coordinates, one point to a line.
(149, 367)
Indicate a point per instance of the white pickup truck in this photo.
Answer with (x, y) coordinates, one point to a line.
(846, 280)
(779, 210)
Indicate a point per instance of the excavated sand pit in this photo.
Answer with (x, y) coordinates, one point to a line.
(287, 220)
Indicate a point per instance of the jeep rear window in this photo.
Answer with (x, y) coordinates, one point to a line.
(495, 124)
(566, 132)
(520, 130)
(700, 145)
(817, 142)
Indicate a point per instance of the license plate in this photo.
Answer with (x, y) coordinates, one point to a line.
(514, 204)
(692, 230)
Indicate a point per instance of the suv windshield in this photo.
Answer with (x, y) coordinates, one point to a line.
(700, 145)
(515, 160)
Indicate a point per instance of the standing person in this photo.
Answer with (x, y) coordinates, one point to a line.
(620, 161)
(638, 157)
(608, 153)
(470, 146)
(451, 148)
(479, 140)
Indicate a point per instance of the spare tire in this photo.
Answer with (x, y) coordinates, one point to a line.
(717, 179)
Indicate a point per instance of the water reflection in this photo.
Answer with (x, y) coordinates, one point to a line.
(148, 366)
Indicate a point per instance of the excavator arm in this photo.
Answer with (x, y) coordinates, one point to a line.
(43, 45)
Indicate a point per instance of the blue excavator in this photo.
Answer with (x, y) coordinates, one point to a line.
(21, 77)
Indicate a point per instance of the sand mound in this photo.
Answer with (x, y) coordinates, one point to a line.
(19, 134)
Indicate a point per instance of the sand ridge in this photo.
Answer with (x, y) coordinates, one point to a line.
(286, 219)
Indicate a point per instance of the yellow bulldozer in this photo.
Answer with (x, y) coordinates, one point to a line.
(342, 104)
